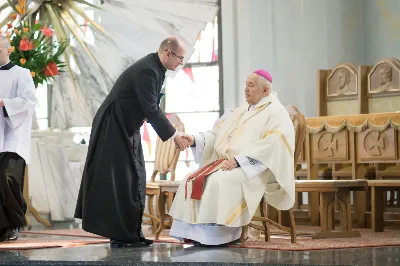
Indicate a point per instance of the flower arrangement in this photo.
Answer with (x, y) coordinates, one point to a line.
(33, 48)
(39, 53)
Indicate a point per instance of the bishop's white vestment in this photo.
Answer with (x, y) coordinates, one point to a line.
(261, 139)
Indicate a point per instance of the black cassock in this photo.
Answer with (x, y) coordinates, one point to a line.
(12, 203)
(112, 194)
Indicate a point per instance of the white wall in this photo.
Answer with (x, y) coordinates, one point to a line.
(381, 33)
(291, 39)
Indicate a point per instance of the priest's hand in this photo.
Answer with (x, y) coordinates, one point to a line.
(189, 138)
(1, 103)
(229, 165)
(180, 142)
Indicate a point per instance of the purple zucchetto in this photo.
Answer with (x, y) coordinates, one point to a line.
(264, 74)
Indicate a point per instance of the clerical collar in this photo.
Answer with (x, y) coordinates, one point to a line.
(7, 66)
(159, 61)
(268, 98)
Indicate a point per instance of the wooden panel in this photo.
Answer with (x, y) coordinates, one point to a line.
(384, 86)
(322, 76)
(342, 107)
(377, 146)
(328, 147)
(384, 183)
(363, 88)
(331, 184)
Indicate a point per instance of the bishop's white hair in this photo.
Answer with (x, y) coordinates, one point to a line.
(263, 81)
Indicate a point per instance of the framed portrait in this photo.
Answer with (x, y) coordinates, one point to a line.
(342, 82)
(384, 78)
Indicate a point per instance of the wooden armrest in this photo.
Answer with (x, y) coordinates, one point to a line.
(384, 183)
(169, 183)
(314, 185)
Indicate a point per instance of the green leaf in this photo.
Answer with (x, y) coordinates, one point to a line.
(37, 27)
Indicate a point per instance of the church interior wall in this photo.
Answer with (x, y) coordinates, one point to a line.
(293, 39)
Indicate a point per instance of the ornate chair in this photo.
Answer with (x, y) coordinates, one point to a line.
(166, 158)
(285, 216)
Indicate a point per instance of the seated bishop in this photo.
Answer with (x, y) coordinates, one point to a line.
(247, 155)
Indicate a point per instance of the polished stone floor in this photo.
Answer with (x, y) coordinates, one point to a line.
(172, 254)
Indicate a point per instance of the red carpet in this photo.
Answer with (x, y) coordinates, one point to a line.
(279, 240)
(367, 239)
(63, 232)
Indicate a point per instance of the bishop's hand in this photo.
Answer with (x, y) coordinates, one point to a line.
(229, 165)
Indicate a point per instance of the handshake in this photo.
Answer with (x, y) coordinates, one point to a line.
(184, 141)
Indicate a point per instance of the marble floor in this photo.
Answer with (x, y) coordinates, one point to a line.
(172, 254)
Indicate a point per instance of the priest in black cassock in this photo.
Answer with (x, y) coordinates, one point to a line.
(111, 198)
(17, 104)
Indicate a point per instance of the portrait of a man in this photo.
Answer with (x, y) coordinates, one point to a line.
(385, 78)
(343, 82)
(340, 83)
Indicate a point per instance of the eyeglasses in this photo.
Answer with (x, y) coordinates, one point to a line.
(179, 57)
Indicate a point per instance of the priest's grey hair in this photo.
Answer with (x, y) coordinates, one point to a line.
(4, 42)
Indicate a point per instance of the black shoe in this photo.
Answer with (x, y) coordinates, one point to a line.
(147, 242)
(12, 234)
(122, 244)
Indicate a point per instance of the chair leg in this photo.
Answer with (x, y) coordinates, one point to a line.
(292, 226)
(151, 212)
(161, 211)
(297, 201)
(169, 203)
(243, 237)
(263, 212)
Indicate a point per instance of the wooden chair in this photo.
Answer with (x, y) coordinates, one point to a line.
(344, 172)
(166, 158)
(30, 208)
(324, 173)
(390, 172)
(286, 217)
(378, 201)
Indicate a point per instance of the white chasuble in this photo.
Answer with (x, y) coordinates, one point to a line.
(262, 139)
(17, 91)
